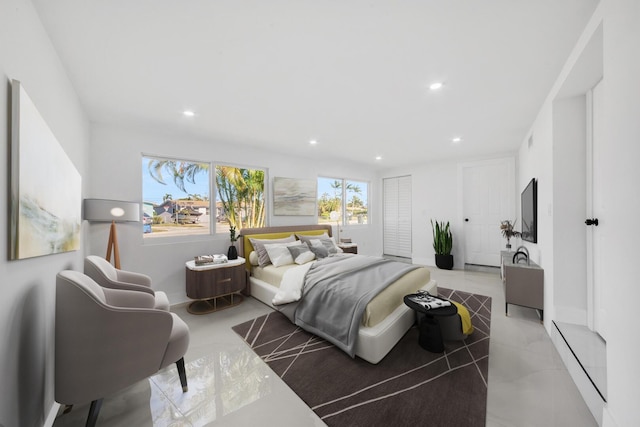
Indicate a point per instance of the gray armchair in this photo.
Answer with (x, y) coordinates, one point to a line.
(108, 339)
(107, 276)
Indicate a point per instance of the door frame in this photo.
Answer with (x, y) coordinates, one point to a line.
(596, 317)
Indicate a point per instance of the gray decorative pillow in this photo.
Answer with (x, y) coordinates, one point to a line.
(301, 254)
(263, 256)
(320, 251)
(327, 243)
(307, 238)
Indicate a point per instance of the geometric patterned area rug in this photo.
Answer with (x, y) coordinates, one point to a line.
(410, 386)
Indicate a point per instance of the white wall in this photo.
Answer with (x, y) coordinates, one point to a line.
(621, 93)
(28, 286)
(436, 194)
(116, 174)
(621, 86)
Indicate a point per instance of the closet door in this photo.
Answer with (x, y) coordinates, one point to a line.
(397, 216)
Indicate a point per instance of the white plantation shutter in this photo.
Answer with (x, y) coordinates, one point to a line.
(397, 216)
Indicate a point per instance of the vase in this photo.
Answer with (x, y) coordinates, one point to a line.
(232, 253)
(444, 262)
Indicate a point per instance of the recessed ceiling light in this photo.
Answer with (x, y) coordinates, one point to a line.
(188, 113)
(435, 86)
(378, 157)
(456, 139)
(313, 142)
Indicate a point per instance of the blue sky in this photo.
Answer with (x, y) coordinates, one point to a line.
(153, 191)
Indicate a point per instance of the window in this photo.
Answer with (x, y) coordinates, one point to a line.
(176, 197)
(177, 202)
(348, 207)
(240, 199)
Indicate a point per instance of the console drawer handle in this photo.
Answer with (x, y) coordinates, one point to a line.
(224, 280)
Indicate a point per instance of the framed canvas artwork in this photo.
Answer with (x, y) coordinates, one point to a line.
(46, 188)
(294, 196)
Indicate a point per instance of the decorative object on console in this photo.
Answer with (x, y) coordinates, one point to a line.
(442, 244)
(233, 252)
(100, 210)
(46, 188)
(294, 196)
(506, 227)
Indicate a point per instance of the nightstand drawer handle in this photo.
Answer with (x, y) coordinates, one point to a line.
(224, 280)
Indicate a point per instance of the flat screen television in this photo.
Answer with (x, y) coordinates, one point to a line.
(529, 209)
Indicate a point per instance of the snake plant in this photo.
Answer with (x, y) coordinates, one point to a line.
(442, 238)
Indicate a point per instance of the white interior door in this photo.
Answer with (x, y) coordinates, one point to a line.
(397, 216)
(596, 210)
(488, 198)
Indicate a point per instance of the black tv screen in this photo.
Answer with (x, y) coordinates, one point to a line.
(529, 209)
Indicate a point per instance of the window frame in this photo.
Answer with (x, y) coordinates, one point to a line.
(176, 238)
(213, 232)
(344, 220)
(265, 189)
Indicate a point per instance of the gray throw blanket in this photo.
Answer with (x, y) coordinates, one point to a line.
(336, 292)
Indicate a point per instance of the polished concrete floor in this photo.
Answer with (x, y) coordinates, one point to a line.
(229, 386)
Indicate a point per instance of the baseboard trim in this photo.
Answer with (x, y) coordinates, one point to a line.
(588, 391)
(53, 413)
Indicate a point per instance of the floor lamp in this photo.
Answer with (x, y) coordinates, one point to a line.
(100, 210)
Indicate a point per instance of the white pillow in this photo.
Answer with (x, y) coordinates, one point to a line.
(253, 258)
(258, 245)
(305, 257)
(279, 254)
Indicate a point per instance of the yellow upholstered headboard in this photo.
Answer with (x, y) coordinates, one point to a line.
(277, 233)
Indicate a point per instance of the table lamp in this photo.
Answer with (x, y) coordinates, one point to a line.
(100, 210)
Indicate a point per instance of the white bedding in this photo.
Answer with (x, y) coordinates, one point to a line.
(290, 289)
(373, 342)
(385, 320)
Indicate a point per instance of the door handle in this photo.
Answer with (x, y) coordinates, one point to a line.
(592, 221)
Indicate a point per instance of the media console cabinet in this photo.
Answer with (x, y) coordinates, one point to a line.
(523, 283)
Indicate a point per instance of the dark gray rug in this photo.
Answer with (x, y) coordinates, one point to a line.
(409, 387)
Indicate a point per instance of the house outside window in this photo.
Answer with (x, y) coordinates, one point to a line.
(343, 201)
(177, 198)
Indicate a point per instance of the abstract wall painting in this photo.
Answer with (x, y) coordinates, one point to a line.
(46, 188)
(294, 196)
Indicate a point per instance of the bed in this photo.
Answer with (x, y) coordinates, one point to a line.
(385, 318)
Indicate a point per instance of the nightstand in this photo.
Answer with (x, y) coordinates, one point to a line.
(215, 286)
(349, 248)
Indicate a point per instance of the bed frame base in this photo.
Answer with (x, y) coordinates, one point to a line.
(373, 342)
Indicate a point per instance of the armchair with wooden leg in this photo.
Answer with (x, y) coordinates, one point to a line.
(108, 339)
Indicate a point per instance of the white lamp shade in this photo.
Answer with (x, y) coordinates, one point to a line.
(100, 210)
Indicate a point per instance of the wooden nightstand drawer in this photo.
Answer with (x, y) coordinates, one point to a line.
(213, 282)
(349, 248)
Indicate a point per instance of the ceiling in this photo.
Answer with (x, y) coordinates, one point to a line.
(352, 75)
